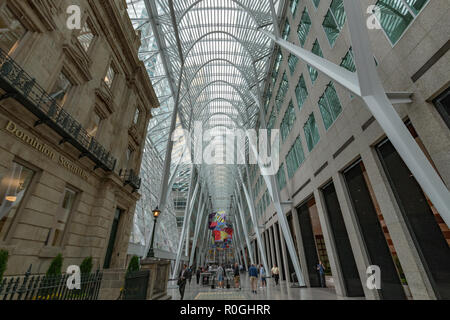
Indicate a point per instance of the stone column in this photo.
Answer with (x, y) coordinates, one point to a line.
(300, 247)
(285, 255)
(356, 241)
(271, 244)
(330, 244)
(278, 253)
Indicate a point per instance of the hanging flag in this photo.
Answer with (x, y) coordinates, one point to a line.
(217, 235)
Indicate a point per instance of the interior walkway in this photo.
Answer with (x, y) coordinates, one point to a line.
(272, 292)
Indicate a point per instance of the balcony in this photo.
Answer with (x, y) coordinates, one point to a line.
(131, 178)
(20, 86)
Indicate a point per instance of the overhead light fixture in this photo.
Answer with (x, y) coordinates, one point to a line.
(11, 198)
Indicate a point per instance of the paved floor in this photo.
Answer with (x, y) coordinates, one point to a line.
(281, 292)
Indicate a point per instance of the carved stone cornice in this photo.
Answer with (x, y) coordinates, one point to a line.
(75, 53)
(105, 100)
(36, 15)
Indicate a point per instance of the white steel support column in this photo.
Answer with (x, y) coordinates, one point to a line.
(240, 212)
(366, 84)
(272, 186)
(272, 245)
(239, 239)
(186, 221)
(201, 205)
(254, 218)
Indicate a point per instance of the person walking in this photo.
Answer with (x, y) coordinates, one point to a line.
(237, 277)
(262, 274)
(220, 276)
(198, 274)
(253, 273)
(182, 279)
(189, 275)
(321, 274)
(276, 274)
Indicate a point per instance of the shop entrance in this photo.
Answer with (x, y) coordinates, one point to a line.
(313, 242)
(429, 232)
(351, 279)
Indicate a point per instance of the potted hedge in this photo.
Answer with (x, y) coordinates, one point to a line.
(134, 265)
(86, 266)
(52, 278)
(4, 255)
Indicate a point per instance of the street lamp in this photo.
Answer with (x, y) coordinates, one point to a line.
(156, 214)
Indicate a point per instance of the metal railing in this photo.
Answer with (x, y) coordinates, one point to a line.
(131, 178)
(42, 287)
(19, 85)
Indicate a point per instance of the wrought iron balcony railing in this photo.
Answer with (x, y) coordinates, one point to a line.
(22, 87)
(131, 178)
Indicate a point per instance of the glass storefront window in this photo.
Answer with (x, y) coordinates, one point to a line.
(12, 30)
(13, 187)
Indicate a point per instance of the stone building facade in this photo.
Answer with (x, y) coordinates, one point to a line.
(340, 170)
(74, 109)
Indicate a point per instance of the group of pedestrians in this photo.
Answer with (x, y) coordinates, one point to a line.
(255, 273)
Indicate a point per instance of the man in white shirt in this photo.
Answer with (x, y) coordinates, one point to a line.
(276, 274)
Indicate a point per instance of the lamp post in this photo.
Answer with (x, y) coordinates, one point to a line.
(156, 213)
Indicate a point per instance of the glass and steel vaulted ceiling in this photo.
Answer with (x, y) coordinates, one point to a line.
(223, 60)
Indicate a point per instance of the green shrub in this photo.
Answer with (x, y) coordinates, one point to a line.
(56, 266)
(86, 266)
(3, 262)
(134, 265)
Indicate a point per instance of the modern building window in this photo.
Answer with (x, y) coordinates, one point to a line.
(272, 119)
(295, 158)
(276, 67)
(282, 91)
(442, 104)
(288, 121)
(61, 89)
(12, 31)
(304, 27)
(334, 20)
(86, 37)
(14, 185)
(317, 51)
(348, 61)
(330, 106)
(110, 76)
(281, 177)
(180, 221)
(396, 15)
(286, 30)
(63, 214)
(266, 105)
(301, 92)
(316, 3)
(292, 62)
(294, 5)
(179, 203)
(311, 132)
